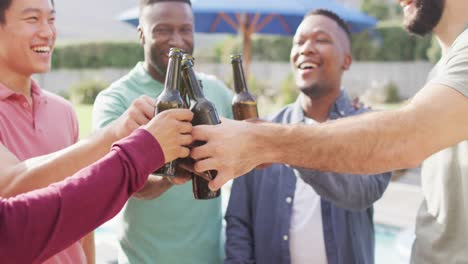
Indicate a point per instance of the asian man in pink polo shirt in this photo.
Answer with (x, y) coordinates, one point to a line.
(35, 122)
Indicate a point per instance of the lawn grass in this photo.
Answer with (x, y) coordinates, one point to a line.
(84, 118)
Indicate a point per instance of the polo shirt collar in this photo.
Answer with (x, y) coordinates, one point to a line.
(6, 92)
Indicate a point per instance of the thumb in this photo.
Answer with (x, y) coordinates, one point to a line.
(218, 182)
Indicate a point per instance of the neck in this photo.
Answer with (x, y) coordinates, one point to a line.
(155, 72)
(18, 83)
(319, 108)
(452, 24)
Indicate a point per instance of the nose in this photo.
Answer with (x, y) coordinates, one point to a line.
(307, 48)
(47, 30)
(176, 40)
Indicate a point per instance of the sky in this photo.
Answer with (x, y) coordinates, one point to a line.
(90, 20)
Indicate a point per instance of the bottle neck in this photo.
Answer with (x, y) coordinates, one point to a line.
(193, 86)
(240, 85)
(173, 74)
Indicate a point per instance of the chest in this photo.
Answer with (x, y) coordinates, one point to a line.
(32, 131)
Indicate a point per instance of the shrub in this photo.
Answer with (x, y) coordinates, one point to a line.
(289, 91)
(391, 93)
(85, 92)
(97, 55)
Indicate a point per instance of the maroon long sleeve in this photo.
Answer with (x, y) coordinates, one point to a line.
(36, 225)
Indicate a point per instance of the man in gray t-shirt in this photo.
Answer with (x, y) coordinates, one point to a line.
(432, 127)
(442, 222)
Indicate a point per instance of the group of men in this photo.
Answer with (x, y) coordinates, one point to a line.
(306, 207)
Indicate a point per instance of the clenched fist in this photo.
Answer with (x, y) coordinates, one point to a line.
(172, 129)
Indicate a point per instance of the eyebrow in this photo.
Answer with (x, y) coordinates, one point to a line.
(35, 10)
(315, 32)
(321, 31)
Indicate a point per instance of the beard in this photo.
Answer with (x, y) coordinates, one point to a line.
(314, 90)
(427, 16)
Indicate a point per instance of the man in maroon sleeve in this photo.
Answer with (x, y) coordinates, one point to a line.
(38, 224)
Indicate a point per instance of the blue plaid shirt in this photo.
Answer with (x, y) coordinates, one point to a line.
(259, 211)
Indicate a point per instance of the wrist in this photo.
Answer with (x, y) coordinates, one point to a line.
(265, 143)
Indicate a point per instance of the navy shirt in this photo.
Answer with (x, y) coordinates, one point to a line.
(259, 211)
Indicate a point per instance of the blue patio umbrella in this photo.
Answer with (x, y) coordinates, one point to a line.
(247, 17)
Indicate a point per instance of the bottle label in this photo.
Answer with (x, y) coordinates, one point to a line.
(243, 111)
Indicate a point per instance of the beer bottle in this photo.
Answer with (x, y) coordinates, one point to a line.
(204, 113)
(170, 98)
(244, 105)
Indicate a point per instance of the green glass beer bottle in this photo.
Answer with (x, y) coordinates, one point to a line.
(244, 105)
(170, 98)
(204, 113)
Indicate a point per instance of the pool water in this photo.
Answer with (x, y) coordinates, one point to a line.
(392, 244)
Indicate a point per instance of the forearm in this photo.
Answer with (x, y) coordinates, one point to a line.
(36, 173)
(155, 186)
(369, 143)
(375, 142)
(89, 248)
(70, 209)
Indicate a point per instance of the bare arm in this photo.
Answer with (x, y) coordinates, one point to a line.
(365, 144)
(35, 173)
(89, 248)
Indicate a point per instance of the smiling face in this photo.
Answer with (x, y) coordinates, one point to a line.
(320, 54)
(422, 16)
(165, 25)
(27, 37)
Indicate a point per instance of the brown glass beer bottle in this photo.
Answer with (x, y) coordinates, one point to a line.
(204, 113)
(244, 105)
(170, 98)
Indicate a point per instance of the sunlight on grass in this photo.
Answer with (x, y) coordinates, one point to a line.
(84, 118)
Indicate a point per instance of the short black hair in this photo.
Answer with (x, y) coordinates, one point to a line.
(143, 3)
(4, 5)
(333, 16)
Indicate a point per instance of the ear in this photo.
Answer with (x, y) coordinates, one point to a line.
(141, 36)
(348, 60)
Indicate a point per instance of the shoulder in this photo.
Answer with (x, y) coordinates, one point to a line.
(283, 115)
(461, 43)
(116, 91)
(119, 86)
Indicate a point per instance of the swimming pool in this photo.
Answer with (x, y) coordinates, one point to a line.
(392, 244)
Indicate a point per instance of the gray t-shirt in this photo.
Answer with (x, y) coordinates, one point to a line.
(442, 221)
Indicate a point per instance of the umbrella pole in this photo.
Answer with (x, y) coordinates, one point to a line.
(246, 42)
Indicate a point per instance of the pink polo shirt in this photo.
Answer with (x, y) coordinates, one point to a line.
(29, 131)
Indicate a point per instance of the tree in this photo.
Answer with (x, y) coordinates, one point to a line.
(378, 9)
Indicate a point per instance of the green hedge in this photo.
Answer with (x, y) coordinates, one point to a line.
(387, 43)
(97, 55)
(85, 92)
